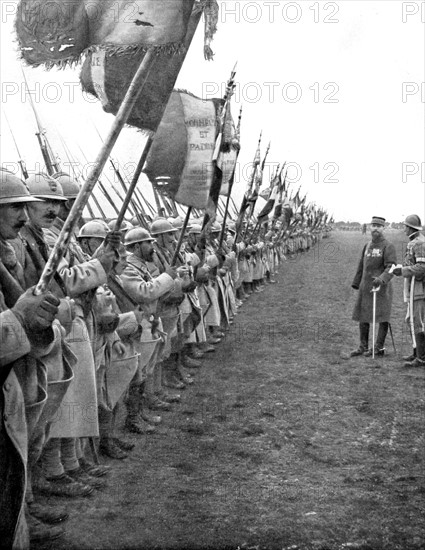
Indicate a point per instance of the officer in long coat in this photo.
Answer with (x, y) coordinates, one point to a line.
(377, 258)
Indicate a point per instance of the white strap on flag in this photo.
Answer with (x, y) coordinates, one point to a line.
(98, 75)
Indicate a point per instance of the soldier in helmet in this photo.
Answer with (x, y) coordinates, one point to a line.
(32, 252)
(19, 434)
(413, 273)
(146, 288)
(115, 353)
(373, 272)
(174, 307)
(64, 460)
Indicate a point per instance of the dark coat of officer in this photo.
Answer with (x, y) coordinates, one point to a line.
(376, 260)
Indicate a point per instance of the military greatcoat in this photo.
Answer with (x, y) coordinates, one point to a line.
(376, 260)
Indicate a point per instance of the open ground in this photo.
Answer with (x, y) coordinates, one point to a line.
(280, 443)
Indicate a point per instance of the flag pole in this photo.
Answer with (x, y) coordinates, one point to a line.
(231, 182)
(181, 238)
(134, 182)
(133, 93)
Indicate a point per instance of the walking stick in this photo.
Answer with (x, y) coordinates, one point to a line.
(392, 337)
(374, 292)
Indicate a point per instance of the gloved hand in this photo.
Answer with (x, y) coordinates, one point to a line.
(202, 274)
(189, 286)
(377, 282)
(36, 315)
(171, 271)
(397, 271)
(107, 256)
(107, 321)
(113, 239)
(66, 313)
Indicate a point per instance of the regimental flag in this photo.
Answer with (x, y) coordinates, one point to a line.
(225, 164)
(108, 77)
(249, 197)
(115, 35)
(182, 150)
(58, 32)
(274, 190)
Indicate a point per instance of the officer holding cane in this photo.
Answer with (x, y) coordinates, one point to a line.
(373, 272)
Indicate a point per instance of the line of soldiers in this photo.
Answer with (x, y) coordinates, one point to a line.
(124, 323)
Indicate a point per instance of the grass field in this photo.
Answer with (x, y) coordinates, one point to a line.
(281, 443)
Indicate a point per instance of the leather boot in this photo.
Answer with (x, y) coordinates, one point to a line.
(123, 444)
(152, 386)
(419, 361)
(39, 531)
(47, 514)
(173, 377)
(109, 448)
(411, 357)
(182, 363)
(135, 423)
(420, 346)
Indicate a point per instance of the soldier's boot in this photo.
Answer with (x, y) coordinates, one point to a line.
(135, 423)
(188, 362)
(159, 389)
(123, 444)
(193, 351)
(171, 374)
(47, 514)
(105, 418)
(185, 361)
(364, 340)
(39, 532)
(411, 357)
(153, 385)
(419, 360)
(108, 447)
(380, 341)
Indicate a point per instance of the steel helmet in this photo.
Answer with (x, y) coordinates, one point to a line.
(215, 228)
(195, 229)
(125, 226)
(137, 235)
(414, 222)
(69, 185)
(162, 225)
(93, 228)
(135, 221)
(13, 190)
(44, 186)
(177, 222)
(231, 226)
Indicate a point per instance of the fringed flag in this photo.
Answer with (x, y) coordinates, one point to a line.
(181, 155)
(58, 32)
(115, 35)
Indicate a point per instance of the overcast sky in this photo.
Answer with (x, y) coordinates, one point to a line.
(337, 87)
